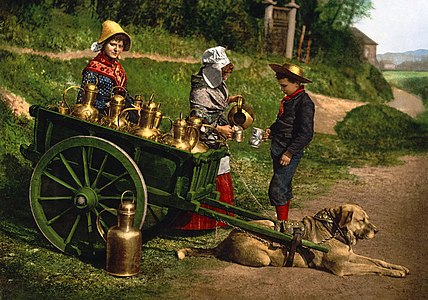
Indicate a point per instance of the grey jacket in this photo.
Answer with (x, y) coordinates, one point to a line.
(210, 104)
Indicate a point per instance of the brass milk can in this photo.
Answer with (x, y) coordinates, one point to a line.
(114, 118)
(149, 120)
(138, 101)
(86, 110)
(123, 242)
(182, 135)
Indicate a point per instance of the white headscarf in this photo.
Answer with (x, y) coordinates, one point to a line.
(95, 47)
(213, 60)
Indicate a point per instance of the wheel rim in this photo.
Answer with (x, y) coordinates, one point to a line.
(73, 182)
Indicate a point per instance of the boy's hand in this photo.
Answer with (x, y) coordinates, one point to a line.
(285, 158)
(266, 134)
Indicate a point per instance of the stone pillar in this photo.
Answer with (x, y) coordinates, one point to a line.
(291, 28)
(268, 23)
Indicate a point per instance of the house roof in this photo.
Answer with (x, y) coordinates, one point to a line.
(359, 34)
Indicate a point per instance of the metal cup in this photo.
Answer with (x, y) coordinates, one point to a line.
(238, 134)
(256, 137)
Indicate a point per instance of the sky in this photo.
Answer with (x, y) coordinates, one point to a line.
(397, 25)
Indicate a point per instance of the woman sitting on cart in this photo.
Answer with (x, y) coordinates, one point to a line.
(105, 70)
(209, 100)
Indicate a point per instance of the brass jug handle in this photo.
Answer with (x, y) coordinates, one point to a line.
(195, 141)
(126, 110)
(97, 80)
(212, 127)
(118, 86)
(171, 122)
(98, 222)
(240, 102)
(64, 94)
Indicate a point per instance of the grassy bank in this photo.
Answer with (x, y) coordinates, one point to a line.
(413, 82)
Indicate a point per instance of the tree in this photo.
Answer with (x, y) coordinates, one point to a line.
(327, 23)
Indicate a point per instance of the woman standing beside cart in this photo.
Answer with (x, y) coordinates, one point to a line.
(209, 100)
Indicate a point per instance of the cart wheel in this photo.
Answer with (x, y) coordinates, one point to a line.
(73, 182)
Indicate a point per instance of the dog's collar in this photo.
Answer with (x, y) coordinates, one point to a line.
(329, 222)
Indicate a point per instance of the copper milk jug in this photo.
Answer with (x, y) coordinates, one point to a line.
(123, 243)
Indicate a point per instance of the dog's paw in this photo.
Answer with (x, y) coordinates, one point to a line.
(401, 268)
(399, 273)
(405, 269)
(181, 254)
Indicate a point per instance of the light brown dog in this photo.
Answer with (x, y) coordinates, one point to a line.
(338, 229)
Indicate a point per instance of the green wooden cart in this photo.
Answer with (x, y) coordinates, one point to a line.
(82, 168)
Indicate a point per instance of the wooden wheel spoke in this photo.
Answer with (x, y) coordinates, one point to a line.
(89, 220)
(60, 181)
(100, 171)
(70, 170)
(109, 209)
(90, 152)
(85, 166)
(52, 220)
(73, 229)
(114, 181)
(153, 213)
(102, 198)
(55, 198)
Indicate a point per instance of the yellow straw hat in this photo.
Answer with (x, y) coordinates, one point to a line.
(292, 71)
(110, 28)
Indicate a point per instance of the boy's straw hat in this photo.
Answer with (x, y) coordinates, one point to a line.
(291, 71)
(110, 28)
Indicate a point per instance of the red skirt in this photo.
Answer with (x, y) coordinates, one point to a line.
(192, 221)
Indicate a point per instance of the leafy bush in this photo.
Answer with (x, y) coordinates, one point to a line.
(376, 127)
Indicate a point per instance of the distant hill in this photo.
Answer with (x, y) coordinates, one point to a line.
(416, 60)
(408, 56)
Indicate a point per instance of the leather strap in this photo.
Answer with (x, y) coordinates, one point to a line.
(295, 244)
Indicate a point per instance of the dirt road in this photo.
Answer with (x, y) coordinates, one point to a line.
(395, 199)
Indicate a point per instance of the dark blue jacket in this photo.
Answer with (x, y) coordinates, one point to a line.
(294, 129)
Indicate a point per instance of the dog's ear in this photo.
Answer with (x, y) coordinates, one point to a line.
(345, 218)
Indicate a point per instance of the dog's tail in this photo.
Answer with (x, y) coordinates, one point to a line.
(182, 253)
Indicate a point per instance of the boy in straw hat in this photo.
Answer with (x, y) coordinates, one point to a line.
(209, 100)
(289, 134)
(104, 70)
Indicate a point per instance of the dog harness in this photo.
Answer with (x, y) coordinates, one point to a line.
(330, 223)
